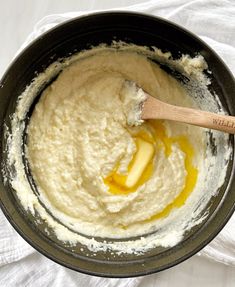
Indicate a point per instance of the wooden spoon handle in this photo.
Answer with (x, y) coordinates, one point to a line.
(191, 116)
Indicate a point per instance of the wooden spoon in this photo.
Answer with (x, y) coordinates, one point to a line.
(155, 109)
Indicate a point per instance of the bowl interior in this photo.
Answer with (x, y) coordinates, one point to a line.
(77, 35)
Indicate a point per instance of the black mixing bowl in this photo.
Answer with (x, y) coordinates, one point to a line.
(78, 34)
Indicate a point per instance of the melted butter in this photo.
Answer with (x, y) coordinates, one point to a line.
(158, 137)
(117, 182)
(192, 172)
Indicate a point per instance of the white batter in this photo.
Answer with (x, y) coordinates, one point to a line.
(80, 148)
(78, 134)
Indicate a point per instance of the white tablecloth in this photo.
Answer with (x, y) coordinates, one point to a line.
(214, 22)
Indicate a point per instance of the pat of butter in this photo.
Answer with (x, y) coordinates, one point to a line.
(145, 151)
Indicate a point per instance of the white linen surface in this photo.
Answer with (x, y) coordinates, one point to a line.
(214, 22)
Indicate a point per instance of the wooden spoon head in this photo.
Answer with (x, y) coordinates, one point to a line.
(150, 108)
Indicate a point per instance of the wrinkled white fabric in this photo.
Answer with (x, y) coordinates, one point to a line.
(214, 22)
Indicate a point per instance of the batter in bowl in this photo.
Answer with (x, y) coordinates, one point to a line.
(99, 175)
(100, 182)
